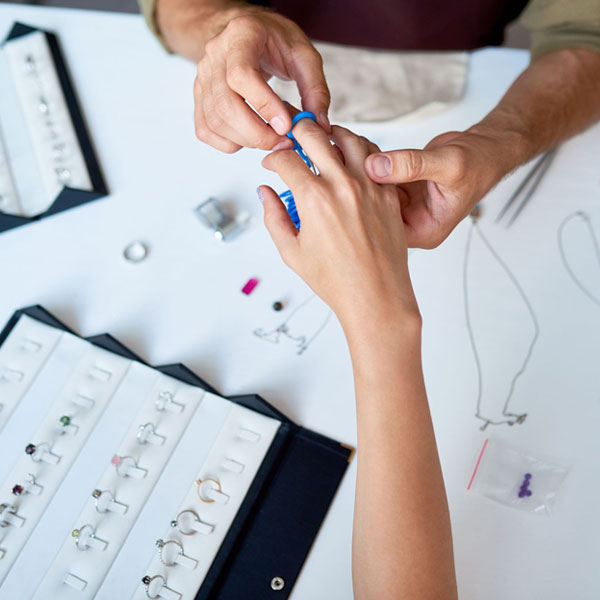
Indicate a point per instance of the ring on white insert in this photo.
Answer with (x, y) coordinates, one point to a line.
(42, 452)
(67, 425)
(147, 434)
(165, 401)
(83, 401)
(209, 490)
(170, 553)
(29, 487)
(232, 465)
(248, 435)
(9, 516)
(75, 582)
(189, 523)
(105, 501)
(85, 537)
(11, 375)
(127, 467)
(156, 587)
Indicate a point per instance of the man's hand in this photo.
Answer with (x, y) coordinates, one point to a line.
(440, 185)
(552, 100)
(238, 48)
(234, 71)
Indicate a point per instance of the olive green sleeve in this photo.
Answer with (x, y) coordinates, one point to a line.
(148, 9)
(557, 24)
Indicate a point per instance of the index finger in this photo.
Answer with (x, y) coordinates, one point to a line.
(245, 78)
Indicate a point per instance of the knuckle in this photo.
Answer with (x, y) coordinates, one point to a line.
(230, 147)
(262, 140)
(222, 108)
(265, 108)
(311, 191)
(201, 132)
(414, 164)
(211, 47)
(214, 119)
(243, 25)
(457, 164)
(238, 74)
(308, 131)
(308, 53)
(349, 188)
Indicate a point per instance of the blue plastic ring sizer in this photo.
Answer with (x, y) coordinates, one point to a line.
(287, 196)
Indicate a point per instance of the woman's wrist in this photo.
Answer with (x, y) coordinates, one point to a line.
(382, 331)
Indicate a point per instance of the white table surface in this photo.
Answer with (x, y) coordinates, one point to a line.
(184, 302)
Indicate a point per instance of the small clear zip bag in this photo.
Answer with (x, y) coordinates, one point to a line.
(517, 479)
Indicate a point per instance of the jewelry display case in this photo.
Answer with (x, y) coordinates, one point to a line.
(120, 480)
(47, 163)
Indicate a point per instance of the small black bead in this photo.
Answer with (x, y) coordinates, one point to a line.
(30, 449)
(277, 306)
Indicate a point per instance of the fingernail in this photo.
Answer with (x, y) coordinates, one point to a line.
(381, 165)
(324, 121)
(259, 194)
(278, 125)
(285, 145)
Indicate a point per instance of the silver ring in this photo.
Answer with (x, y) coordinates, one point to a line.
(143, 432)
(160, 544)
(147, 581)
(37, 451)
(163, 399)
(6, 507)
(97, 494)
(175, 522)
(76, 533)
(135, 252)
(119, 461)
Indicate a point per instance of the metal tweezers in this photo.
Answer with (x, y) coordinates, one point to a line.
(527, 187)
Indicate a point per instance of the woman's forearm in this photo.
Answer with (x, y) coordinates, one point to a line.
(402, 544)
(556, 97)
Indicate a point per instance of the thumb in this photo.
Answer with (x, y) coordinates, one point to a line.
(277, 221)
(404, 166)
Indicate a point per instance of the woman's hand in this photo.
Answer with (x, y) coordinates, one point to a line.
(351, 248)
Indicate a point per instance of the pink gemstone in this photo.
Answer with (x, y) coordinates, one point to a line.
(250, 285)
(116, 460)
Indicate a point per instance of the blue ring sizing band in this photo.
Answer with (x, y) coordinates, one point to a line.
(287, 196)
